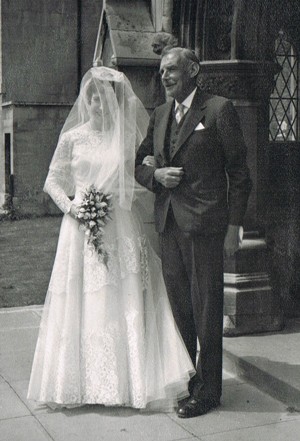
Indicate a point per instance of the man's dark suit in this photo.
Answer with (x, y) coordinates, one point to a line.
(193, 218)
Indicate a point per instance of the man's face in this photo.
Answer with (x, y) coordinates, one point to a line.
(176, 77)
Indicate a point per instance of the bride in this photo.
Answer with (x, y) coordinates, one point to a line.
(107, 334)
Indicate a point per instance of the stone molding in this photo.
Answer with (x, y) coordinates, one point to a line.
(34, 104)
(125, 35)
(235, 282)
(238, 79)
(250, 305)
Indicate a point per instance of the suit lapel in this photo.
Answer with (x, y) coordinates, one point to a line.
(193, 117)
(162, 127)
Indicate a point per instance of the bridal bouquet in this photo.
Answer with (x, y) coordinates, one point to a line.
(93, 215)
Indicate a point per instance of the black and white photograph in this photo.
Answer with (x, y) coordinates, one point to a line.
(149, 220)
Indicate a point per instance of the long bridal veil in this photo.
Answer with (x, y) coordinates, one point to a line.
(124, 125)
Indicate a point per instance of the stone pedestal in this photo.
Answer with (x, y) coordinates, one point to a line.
(250, 303)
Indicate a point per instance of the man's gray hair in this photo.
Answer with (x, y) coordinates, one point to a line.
(187, 55)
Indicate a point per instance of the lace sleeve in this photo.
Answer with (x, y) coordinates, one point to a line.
(59, 182)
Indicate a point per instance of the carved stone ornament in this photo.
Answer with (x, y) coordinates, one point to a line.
(238, 79)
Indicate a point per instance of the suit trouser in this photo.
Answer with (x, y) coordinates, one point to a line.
(193, 273)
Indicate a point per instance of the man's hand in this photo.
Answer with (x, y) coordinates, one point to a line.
(74, 210)
(233, 240)
(149, 160)
(169, 177)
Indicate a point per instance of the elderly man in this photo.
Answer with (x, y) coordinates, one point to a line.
(201, 181)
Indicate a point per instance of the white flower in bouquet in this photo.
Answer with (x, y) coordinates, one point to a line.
(93, 215)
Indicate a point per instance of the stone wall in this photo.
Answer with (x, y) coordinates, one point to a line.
(34, 141)
(90, 19)
(39, 50)
(46, 48)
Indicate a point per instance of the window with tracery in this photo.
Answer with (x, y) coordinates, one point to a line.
(284, 101)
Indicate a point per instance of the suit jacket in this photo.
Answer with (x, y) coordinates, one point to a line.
(216, 184)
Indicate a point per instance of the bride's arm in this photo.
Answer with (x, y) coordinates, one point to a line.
(149, 160)
(59, 182)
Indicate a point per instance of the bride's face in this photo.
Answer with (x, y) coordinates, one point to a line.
(96, 110)
(99, 111)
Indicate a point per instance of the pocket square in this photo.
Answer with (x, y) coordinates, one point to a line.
(199, 126)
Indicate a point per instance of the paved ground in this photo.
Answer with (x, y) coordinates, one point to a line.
(261, 398)
(246, 413)
(271, 361)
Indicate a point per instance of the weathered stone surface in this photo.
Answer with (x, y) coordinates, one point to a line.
(39, 50)
(250, 304)
(46, 48)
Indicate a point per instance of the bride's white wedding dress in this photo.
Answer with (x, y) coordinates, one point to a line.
(107, 334)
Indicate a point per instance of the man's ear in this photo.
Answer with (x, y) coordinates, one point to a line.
(194, 69)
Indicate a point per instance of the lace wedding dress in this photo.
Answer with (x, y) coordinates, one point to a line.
(107, 334)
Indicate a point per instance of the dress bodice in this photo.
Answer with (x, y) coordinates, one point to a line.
(91, 157)
(82, 158)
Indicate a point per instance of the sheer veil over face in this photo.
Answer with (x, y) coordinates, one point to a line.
(108, 106)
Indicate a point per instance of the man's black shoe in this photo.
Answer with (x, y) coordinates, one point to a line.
(182, 402)
(194, 407)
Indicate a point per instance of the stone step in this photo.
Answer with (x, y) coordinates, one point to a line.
(270, 361)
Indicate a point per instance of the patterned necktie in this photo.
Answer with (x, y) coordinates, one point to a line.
(179, 113)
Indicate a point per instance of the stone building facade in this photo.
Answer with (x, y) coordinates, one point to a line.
(250, 53)
(46, 46)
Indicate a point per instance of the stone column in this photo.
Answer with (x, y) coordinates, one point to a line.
(167, 16)
(250, 304)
